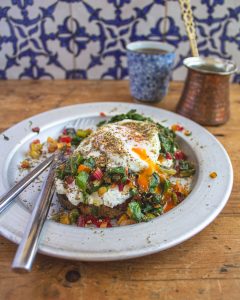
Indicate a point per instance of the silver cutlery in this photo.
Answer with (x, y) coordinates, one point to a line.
(28, 246)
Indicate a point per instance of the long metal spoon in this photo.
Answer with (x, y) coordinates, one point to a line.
(8, 198)
(28, 246)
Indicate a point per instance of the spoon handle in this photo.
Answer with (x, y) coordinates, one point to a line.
(189, 24)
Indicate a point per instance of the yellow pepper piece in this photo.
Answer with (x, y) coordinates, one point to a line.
(51, 140)
(102, 191)
(60, 145)
(34, 154)
(64, 219)
(123, 218)
(213, 175)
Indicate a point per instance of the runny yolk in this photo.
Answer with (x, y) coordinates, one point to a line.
(144, 176)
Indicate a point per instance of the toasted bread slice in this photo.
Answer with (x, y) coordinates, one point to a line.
(98, 211)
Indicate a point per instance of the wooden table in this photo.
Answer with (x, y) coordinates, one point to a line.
(205, 267)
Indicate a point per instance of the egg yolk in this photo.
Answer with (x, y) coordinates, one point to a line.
(144, 176)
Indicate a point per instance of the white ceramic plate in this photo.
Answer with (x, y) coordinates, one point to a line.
(205, 202)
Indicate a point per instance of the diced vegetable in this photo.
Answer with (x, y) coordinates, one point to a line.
(25, 164)
(177, 127)
(175, 198)
(35, 149)
(149, 216)
(168, 206)
(167, 144)
(65, 139)
(166, 186)
(81, 221)
(102, 190)
(187, 133)
(179, 155)
(117, 170)
(83, 133)
(97, 174)
(64, 219)
(73, 216)
(186, 168)
(84, 168)
(167, 171)
(213, 175)
(36, 129)
(154, 182)
(76, 140)
(168, 155)
(121, 186)
(90, 162)
(70, 132)
(134, 211)
(124, 220)
(52, 145)
(101, 123)
(123, 217)
(69, 179)
(133, 192)
(81, 180)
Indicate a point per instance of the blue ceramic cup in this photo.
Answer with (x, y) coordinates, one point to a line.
(149, 68)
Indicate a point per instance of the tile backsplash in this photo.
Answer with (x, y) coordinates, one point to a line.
(86, 39)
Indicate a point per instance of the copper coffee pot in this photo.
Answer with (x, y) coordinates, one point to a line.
(205, 97)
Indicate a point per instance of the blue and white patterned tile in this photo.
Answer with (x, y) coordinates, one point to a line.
(34, 30)
(110, 26)
(87, 38)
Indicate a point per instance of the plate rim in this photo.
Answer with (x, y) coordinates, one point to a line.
(129, 253)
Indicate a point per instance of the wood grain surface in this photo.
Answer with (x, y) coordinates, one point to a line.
(205, 267)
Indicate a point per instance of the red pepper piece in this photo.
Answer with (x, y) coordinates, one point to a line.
(25, 164)
(92, 219)
(168, 155)
(180, 128)
(105, 220)
(69, 179)
(121, 187)
(36, 142)
(65, 139)
(102, 114)
(97, 174)
(81, 221)
(64, 131)
(179, 155)
(180, 196)
(36, 129)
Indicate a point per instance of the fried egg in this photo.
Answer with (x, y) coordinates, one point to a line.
(115, 143)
